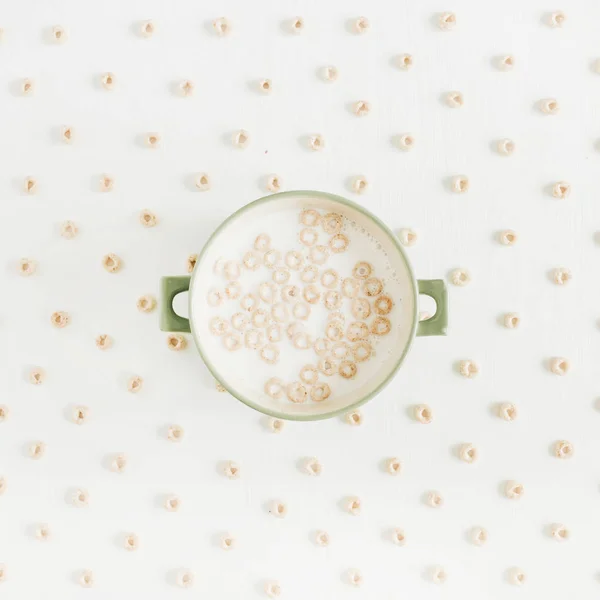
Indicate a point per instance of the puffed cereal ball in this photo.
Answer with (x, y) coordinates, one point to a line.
(172, 503)
(316, 142)
(59, 35)
(146, 303)
(398, 537)
(107, 81)
(103, 341)
(505, 147)
(511, 320)
(4, 412)
(438, 575)
(557, 19)
(478, 535)
(563, 449)
(507, 411)
(36, 376)
(3, 485)
(202, 182)
(505, 63)
(330, 73)
(297, 25)
(241, 139)
(265, 86)
(362, 108)
(231, 470)
(508, 237)
(106, 183)
(275, 425)
(273, 183)
(406, 141)
(405, 62)
(185, 578)
(186, 87)
(80, 498)
(408, 237)
(360, 184)
(447, 21)
(118, 463)
(30, 185)
(27, 86)
(152, 140)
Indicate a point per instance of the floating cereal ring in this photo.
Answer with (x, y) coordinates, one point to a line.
(360, 308)
(350, 287)
(319, 254)
(293, 328)
(381, 326)
(233, 290)
(232, 270)
(279, 312)
(290, 293)
(358, 331)
(294, 260)
(322, 346)
(334, 331)
(332, 223)
(240, 321)
(309, 274)
(218, 326)
(340, 350)
(281, 275)
(252, 260)
(262, 242)
(308, 236)
(271, 258)
(336, 315)
(373, 286)
(309, 374)
(232, 342)
(296, 392)
(301, 311)
(328, 366)
(339, 243)
(312, 294)
(332, 300)
(362, 270)
(320, 392)
(253, 338)
(302, 340)
(274, 333)
(330, 278)
(383, 305)
(267, 292)
(274, 388)
(362, 351)
(249, 302)
(310, 217)
(270, 354)
(260, 318)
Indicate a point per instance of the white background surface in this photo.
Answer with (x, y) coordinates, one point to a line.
(407, 190)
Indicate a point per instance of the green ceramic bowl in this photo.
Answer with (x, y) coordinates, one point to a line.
(405, 316)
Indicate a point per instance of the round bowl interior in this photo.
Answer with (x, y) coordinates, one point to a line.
(242, 372)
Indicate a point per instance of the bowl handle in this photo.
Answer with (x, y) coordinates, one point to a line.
(436, 325)
(169, 288)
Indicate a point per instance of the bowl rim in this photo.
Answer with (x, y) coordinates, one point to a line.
(395, 241)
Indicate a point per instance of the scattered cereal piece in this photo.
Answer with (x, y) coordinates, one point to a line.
(36, 376)
(561, 190)
(513, 490)
(423, 413)
(233, 290)
(353, 506)
(118, 463)
(405, 62)
(30, 185)
(111, 263)
(219, 387)
(361, 25)
(447, 21)
(563, 449)
(478, 535)
(80, 498)
(228, 542)
(66, 134)
(59, 35)
(275, 425)
(296, 392)
(468, 368)
(408, 237)
(175, 433)
(135, 384)
(86, 579)
(561, 276)
(265, 87)
(202, 182)
(60, 319)
(186, 87)
(355, 577)
(80, 415)
(176, 342)
(172, 503)
(241, 138)
(273, 589)
(505, 147)
(68, 230)
(559, 532)
(221, 26)
(108, 81)
(506, 63)
(42, 532)
(438, 575)
(330, 73)
(557, 19)
(455, 99)
(185, 578)
(37, 450)
(152, 140)
(559, 365)
(393, 466)
(148, 218)
(406, 142)
(316, 142)
(312, 466)
(468, 453)
(278, 509)
(322, 539)
(460, 184)
(27, 267)
(131, 542)
(511, 320)
(4, 412)
(273, 182)
(354, 418)
(360, 184)
(549, 106)
(508, 237)
(231, 470)
(27, 87)
(146, 303)
(460, 277)
(507, 411)
(434, 499)
(516, 576)
(253, 339)
(362, 108)
(147, 29)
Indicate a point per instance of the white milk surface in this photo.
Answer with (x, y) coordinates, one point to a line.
(243, 370)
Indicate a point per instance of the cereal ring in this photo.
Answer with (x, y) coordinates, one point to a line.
(302, 340)
(561, 276)
(393, 466)
(252, 260)
(215, 297)
(270, 354)
(336, 315)
(279, 312)
(360, 184)
(274, 388)
(301, 311)
(322, 346)
(254, 339)
(281, 275)
(332, 300)
(434, 499)
(27, 266)
(556, 19)
(290, 293)
(339, 243)
(353, 504)
(262, 242)
(340, 350)
(361, 351)
(507, 411)
(176, 342)
(360, 308)
(513, 490)
(69, 230)
(559, 532)
(347, 369)
(350, 287)
(334, 331)
(309, 274)
(271, 258)
(357, 330)
(468, 368)
(309, 374)
(311, 294)
(294, 260)
(460, 277)
(103, 341)
(232, 341)
(563, 449)
(308, 236)
(373, 286)
(479, 536)
(468, 453)
(249, 302)
(218, 326)
(362, 270)
(60, 319)
(332, 223)
(232, 270)
(273, 183)
(274, 333)
(240, 321)
(111, 263)
(267, 291)
(296, 392)
(293, 328)
(233, 290)
(330, 278)
(328, 366)
(319, 254)
(423, 414)
(383, 305)
(320, 392)
(191, 263)
(361, 25)
(310, 217)
(381, 326)
(202, 180)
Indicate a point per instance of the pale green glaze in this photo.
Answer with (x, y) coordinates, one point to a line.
(435, 288)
